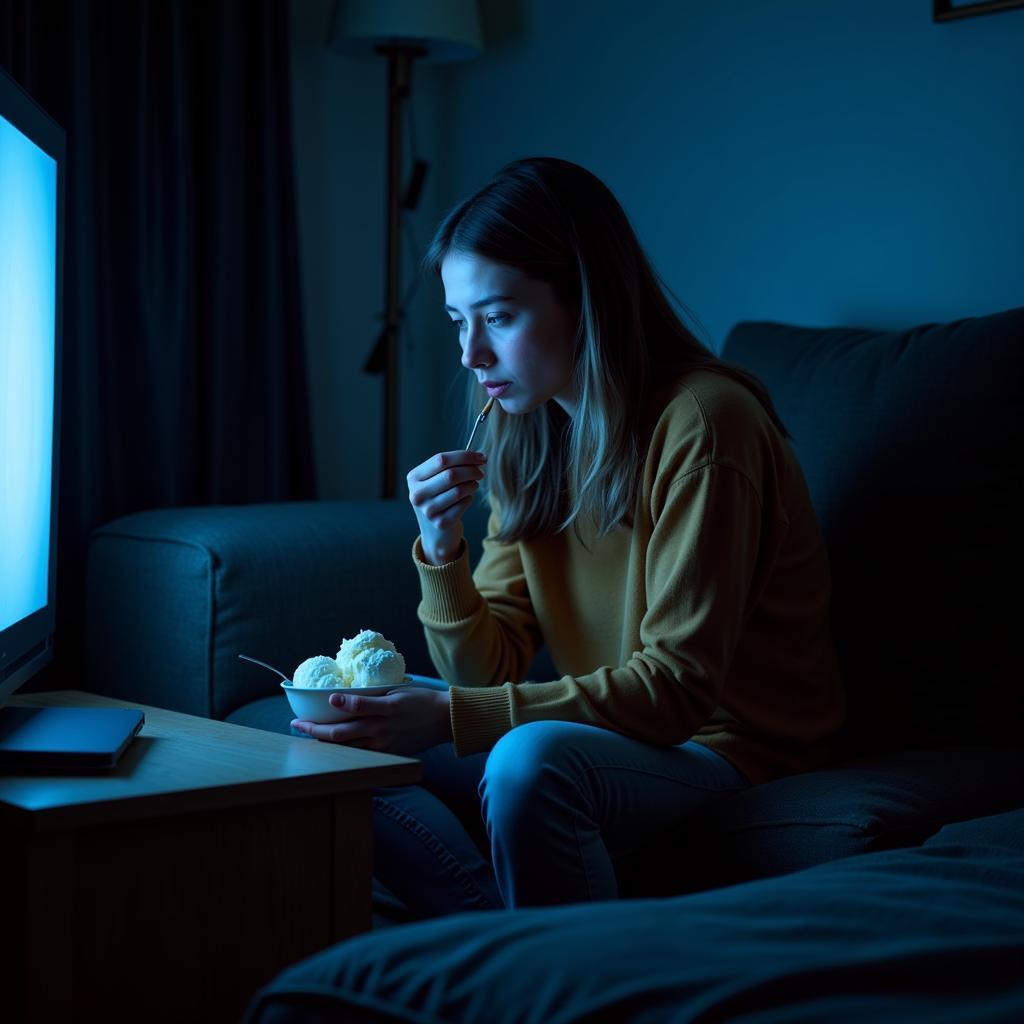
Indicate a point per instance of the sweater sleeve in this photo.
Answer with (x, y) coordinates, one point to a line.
(480, 626)
(481, 631)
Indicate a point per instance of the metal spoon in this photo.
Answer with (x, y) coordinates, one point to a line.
(256, 661)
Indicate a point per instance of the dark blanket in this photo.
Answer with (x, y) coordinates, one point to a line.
(934, 933)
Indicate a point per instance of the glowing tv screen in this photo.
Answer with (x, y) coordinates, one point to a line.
(31, 236)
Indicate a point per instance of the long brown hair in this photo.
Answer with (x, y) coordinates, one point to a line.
(557, 222)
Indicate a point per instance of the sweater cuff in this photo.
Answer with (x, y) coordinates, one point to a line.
(449, 593)
(480, 717)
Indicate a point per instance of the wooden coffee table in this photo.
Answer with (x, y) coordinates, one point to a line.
(174, 885)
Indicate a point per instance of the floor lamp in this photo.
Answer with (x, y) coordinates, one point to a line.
(401, 31)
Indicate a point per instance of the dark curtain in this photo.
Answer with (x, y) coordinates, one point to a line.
(184, 370)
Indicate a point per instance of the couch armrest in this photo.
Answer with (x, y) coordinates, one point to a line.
(173, 596)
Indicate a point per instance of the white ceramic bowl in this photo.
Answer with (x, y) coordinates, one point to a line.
(313, 703)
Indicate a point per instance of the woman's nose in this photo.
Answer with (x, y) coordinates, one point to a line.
(476, 353)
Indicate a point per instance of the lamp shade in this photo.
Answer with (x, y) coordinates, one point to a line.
(448, 30)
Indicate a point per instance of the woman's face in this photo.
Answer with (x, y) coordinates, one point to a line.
(516, 337)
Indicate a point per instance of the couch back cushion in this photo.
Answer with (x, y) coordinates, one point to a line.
(911, 445)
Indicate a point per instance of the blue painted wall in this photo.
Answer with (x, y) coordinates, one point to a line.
(811, 161)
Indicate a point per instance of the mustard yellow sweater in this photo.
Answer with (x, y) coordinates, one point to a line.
(706, 619)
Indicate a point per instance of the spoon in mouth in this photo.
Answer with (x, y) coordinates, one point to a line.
(256, 661)
(476, 426)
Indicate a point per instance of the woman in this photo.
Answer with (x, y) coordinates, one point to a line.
(649, 523)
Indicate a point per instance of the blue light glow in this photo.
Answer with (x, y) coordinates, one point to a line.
(28, 280)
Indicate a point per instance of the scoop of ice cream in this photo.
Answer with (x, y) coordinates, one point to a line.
(370, 659)
(318, 672)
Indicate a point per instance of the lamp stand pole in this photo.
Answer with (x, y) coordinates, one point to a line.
(399, 84)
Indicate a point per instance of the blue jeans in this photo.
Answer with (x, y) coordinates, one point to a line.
(537, 821)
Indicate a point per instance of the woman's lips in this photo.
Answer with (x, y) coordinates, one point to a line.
(497, 390)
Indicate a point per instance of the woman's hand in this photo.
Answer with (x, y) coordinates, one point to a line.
(440, 491)
(403, 722)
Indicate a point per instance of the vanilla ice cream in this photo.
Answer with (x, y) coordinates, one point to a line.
(317, 673)
(369, 659)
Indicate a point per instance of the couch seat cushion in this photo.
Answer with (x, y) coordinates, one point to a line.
(272, 714)
(870, 803)
(1004, 831)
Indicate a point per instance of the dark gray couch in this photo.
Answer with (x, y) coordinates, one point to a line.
(911, 443)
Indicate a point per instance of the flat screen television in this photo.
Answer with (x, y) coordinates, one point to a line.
(32, 169)
(32, 176)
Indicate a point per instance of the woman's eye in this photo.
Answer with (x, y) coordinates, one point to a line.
(493, 319)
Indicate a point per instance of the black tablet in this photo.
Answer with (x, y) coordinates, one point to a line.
(59, 737)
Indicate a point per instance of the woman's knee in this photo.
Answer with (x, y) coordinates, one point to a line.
(528, 749)
(523, 766)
